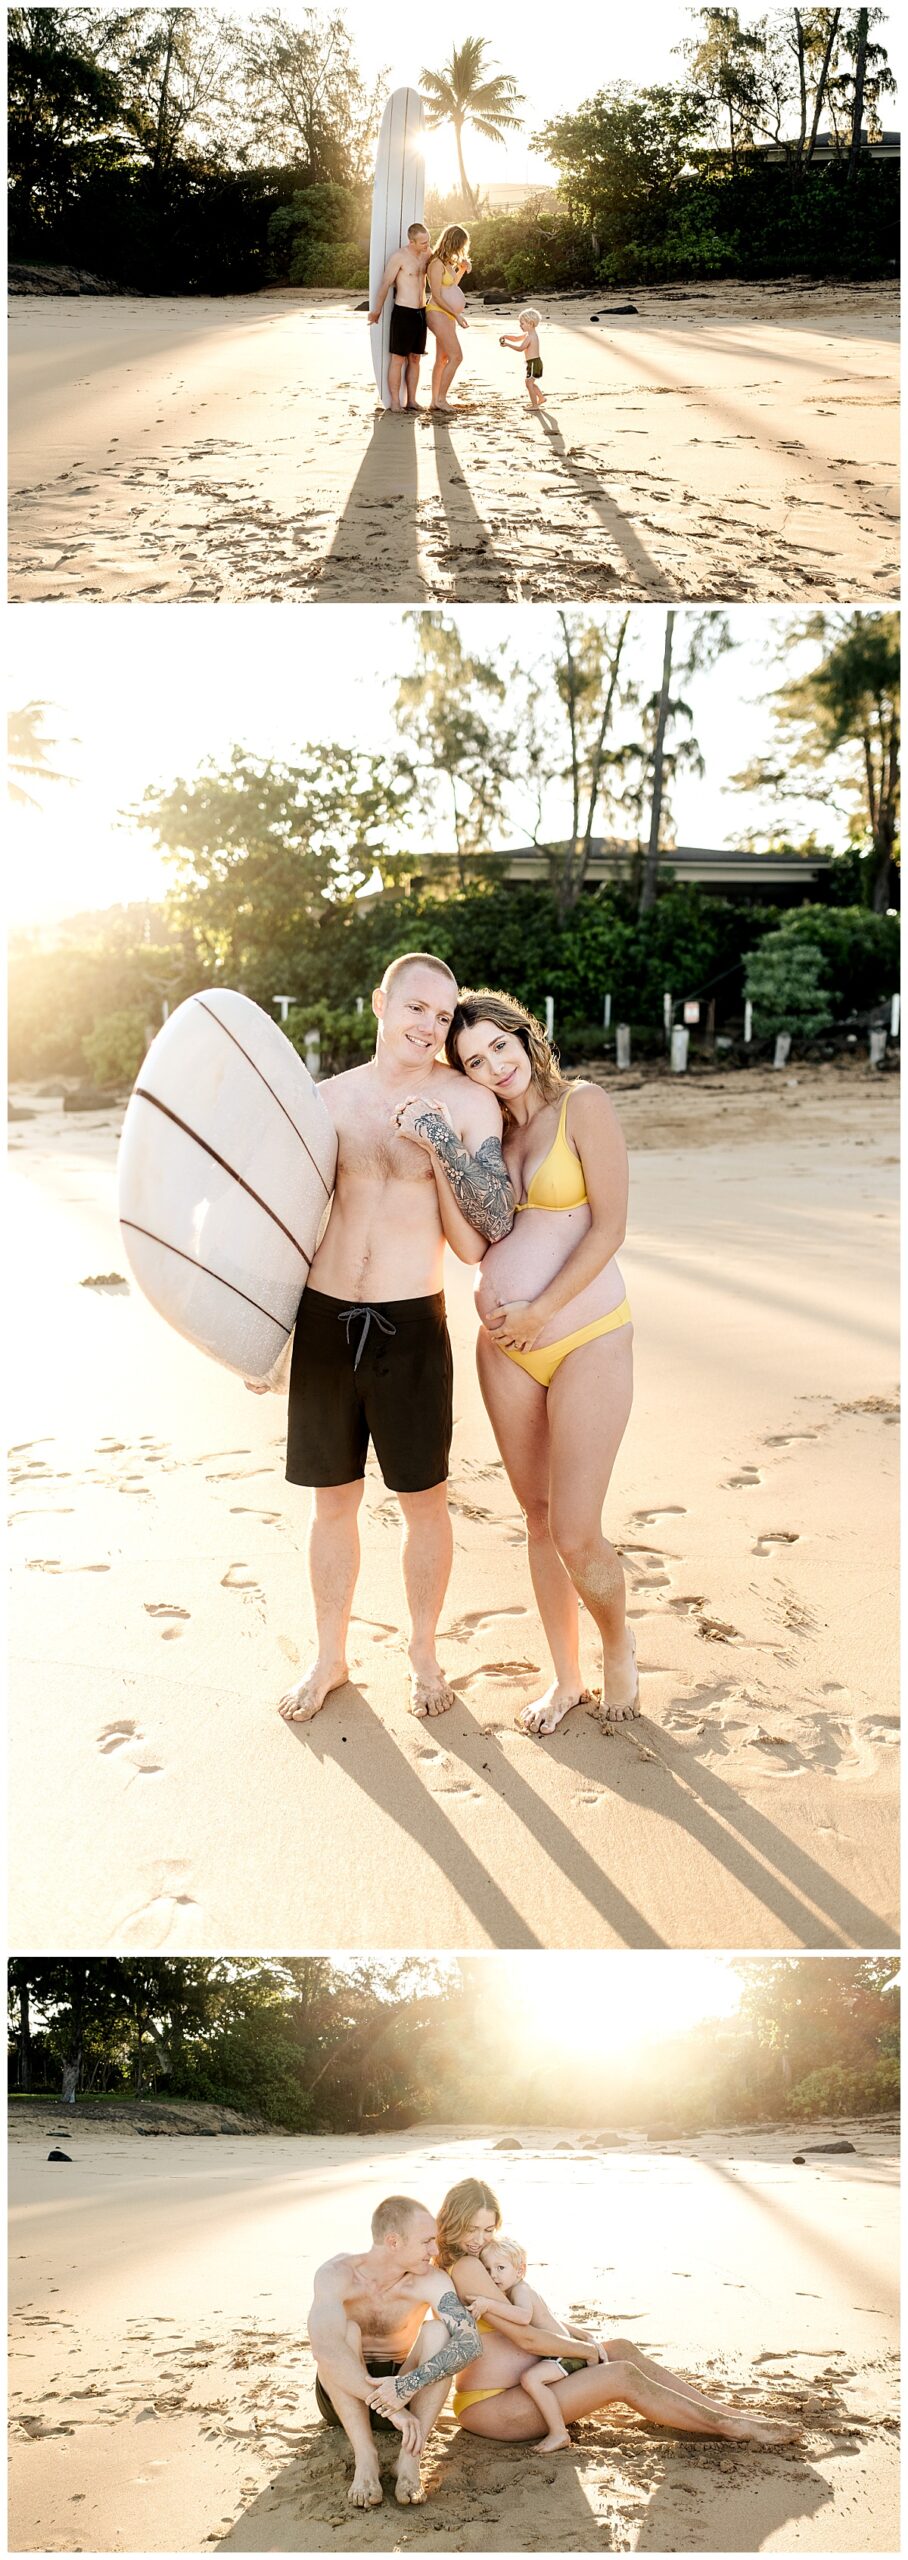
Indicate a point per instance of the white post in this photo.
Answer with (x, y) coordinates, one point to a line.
(748, 1020)
(549, 1017)
(680, 1046)
(895, 1016)
(667, 1015)
(284, 1004)
(313, 1054)
(360, 1001)
(165, 1010)
(607, 1013)
(623, 1044)
(783, 1049)
(877, 1048)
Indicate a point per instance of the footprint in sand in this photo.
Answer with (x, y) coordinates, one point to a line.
(238, 1577)
(478, 1619)
(127, 1737)
(785, 1439)
(669, 1511)
(378, 1629)
(53, 1564)
(746, 1482)
(769, 1539)
(496, 1671)
(169, 1611)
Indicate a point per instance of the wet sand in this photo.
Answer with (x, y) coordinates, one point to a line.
(161, 2386)
(161, 1602)
(732, 441)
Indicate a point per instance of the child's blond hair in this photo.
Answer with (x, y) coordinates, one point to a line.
(533, 316)
(507, 2249)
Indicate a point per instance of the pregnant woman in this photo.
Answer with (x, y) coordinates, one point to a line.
(555, 1339)
(445, 307)
(491, 2402)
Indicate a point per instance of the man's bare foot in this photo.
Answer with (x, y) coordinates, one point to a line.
(621, 1686)
(408, 2488)
(300, 1704)
(365, 2488)
(553, 2443)
(544, 1714)
(430, 1694)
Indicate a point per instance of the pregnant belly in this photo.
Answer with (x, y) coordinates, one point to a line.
(524, 1263)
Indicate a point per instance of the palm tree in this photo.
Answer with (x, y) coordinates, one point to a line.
(467, 91)
(31, 753)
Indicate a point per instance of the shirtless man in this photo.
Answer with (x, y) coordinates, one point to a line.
(365, 2329)
(405, 276)
(371, 1355)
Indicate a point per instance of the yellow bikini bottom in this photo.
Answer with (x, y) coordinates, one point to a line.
(465, 2399)
(542, 1364)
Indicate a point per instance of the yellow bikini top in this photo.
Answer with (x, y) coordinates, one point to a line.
(558, 1181)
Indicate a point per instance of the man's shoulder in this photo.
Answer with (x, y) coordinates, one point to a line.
(334, 2273)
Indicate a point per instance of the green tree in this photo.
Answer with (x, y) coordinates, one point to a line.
(706, 637)
(305, 94)
(65, 119)
(838, 727)
(786, 981)
(466, 91)
(458, 757)
(620, 159)
(175, 68)
(31, 754)
(723, 64)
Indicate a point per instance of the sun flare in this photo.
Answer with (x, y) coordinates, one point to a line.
(554, 2004)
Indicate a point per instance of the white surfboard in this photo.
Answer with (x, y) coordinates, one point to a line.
(398, 195)
(226, 1167)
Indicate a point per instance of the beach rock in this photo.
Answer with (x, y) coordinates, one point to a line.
(565, 2146)
(88, 1097)
(831, 2146)
(508, 2142)
(798, 2161)
(23, 278)
(60, 2155)
(614, 311)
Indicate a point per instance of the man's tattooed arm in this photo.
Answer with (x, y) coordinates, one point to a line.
(480, 1183)
(464, 2345)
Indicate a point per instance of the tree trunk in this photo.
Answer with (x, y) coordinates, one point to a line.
(24, 2072)
(581, 865)
(802, 86)
(651, 864)
(821, 85)
(469, 198)
(857, 109)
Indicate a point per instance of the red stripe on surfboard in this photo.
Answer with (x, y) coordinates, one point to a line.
(136, 1230)
(253, 1062)
(140, 1095)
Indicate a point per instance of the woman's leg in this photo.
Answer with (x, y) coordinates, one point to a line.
(516, 1406)
(511, 2419)
(589, 1403)
(447, 356)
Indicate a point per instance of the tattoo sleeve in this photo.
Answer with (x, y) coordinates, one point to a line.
(464, 2345)
(480, 1183)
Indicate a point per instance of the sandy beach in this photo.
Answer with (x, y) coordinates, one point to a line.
(161, 2390)
(161, 1598)
(725, 440)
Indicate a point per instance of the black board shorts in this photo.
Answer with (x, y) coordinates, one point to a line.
(534, 369)
(408, 331)
(378, 2366)
(370, 1372)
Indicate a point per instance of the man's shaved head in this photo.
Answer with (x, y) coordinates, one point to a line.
(416, 960)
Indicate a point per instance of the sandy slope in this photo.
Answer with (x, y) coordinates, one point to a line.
(161, 1597)
(730, 441)
(161, 2385)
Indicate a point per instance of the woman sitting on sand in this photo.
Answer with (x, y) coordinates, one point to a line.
(445, 307)
(494, 2402)
(555, 1336)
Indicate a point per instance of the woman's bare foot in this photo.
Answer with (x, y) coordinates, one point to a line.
(553, 2443)
(299, 1704)
(365, 2487)
(408, 2488)
(430, 1694)
(544, 1714)
(621, 1685)
(741, 2428)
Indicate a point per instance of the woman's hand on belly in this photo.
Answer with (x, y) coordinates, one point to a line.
(517, 1325)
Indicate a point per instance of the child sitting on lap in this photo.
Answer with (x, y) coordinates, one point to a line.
(506, 2263)
(528, 346)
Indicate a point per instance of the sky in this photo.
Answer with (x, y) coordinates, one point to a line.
(558, 58)
(142, 696)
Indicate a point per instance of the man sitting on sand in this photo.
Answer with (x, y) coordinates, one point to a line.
(371, 1354)
(364, 2327)
(405, 277)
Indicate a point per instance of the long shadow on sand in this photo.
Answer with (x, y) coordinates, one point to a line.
(659, 2493)
(584, 478)
(378, 525)
(486, 579)
(389, 1781)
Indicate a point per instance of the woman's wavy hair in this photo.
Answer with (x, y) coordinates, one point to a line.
(451, 241)
(459, 2208)
(488, 1004)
